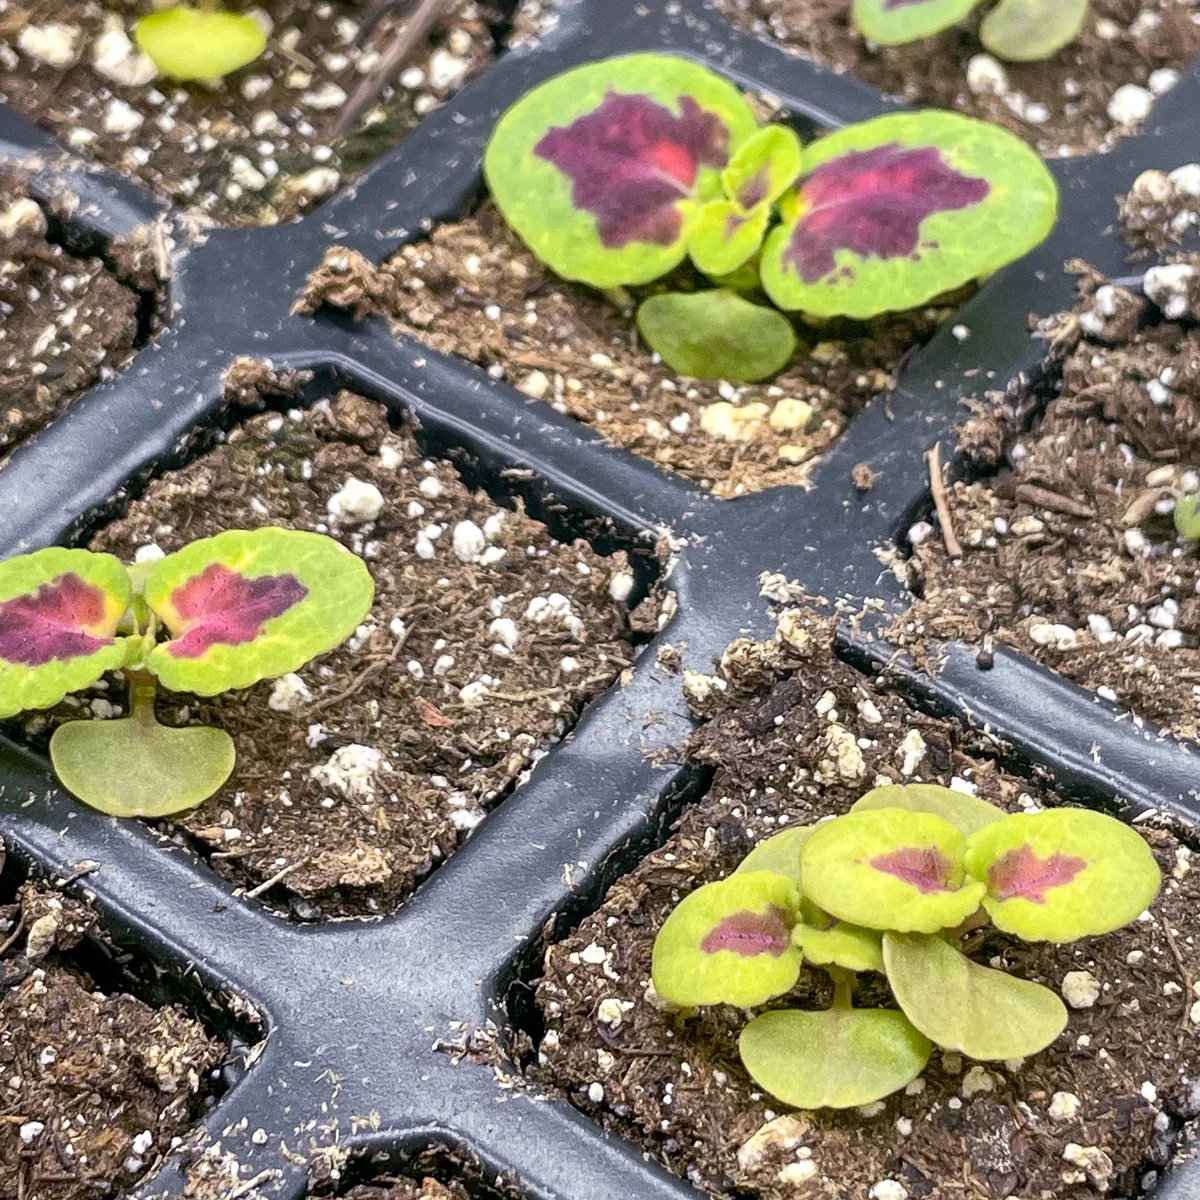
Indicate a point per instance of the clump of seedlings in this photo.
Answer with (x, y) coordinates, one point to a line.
(199, 42)
(895, 886)
(1017, 30)
(617, 172)
(239, 607)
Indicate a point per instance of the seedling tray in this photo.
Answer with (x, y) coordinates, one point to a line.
(359, 1014)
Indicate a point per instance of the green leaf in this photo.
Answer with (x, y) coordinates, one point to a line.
(1187, 517)
(135, 767)
(59, 615)
(602, 170)
(1030, 30)
(253, 604)
(763, 168)
(960, 1005)
(895, 211)
(199, 43)
(841, 945)
(716, 335)
(729, 943)
(725, 238)
(1063, 874)
(780, 853)
(890, 869)
(969, 813)
(894, 22)
(840, 1058)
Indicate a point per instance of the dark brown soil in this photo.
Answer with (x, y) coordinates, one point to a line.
(369, 768)
(474, 290)
(96, 1086)
(65, 322)
(259, 147)
(408, 1189)
(1064, 554)
(1060, 106)
(798, 735)
(435, 1173)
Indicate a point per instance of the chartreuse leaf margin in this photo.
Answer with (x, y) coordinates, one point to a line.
(895, 887)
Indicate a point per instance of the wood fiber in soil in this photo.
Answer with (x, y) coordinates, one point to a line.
(406, 762)
(65, 322)
(96, 1072)
(799, 735)
(474, 290)
(1124, 41)
(257, 147)
(1065, 533)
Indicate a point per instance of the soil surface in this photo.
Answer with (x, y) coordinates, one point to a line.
(97, 1085)
(1059, 106)
(408, 1189)
(65, 322)
(254, 148)
(358, 775)
(1069, 549)
(474, 290)
(795, 736)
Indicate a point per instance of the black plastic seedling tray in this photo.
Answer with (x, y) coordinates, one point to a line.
(357, 1013)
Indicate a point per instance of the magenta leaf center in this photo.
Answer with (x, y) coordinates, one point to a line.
(872, 202)
(52, 622)
(754, 191)
(1022, 874)
(221, 607)
(750, 933)
(924, 867)
(631, 160)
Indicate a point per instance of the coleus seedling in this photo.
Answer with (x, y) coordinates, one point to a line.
(236, 608)
(615, 172)
(892, 887)
(201, 42)
(1018, 30)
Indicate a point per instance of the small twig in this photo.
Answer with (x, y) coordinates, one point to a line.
(16, 933)
(374, 669)
(1187, 975)
(938, 488)
(281, 874)
(1040, 497)
(521, 697)
(407, 38)
(251, 1184)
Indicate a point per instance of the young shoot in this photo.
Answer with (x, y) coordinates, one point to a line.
(893, 887)
(201, 42)
(617, 172)
(236, 608)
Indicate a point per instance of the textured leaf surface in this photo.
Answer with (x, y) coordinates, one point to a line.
(779, 853)
(729, 943)
(841, 944)
(602, 170)
(716, 335)
(253, 604)
(835, 1059)
(725, 237)
(1063, 874)
(893, 22)
(136, 768)
(199, 44)
(1029, 30)
(962, 1006)
(763, 167)
(968, 813)
(890, 869)
(59, 612)
(895, 211)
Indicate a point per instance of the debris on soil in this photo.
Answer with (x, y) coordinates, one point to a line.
(65, 322)
(474, 290)
(1094, 91)
(1069, 552)
(97, 1086)
(1161, 209)
(255, 147)
(435, 1173)
(361, 772)
(1098, 1113)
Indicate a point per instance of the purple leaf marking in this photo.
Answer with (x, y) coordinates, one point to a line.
(221, 607)
(892, 5)
(52, 623)
(754, 191)
(631, 161)
(872, 202)
(924, 867)
(1022, 874)
(750, 933)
